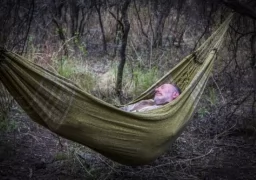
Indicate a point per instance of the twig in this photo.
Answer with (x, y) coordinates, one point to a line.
(62, 47)
(219, 135)
(239, 103)
(223, 99)
(139, 19)
(88, 172)
(29, 24)
(107, 164)
(183, 161)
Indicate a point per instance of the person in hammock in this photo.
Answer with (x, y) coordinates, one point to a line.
(163, 95)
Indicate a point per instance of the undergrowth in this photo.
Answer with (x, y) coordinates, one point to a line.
(6, 104)
(143, 79)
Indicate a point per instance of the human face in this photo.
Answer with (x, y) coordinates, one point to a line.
(163, 94)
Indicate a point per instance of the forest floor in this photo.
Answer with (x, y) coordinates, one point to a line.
(29, 151)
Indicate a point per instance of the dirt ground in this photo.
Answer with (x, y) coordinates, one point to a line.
(32, 152)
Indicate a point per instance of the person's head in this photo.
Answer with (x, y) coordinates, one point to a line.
(166, 93)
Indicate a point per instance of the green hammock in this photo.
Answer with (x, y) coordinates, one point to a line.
(128, 138)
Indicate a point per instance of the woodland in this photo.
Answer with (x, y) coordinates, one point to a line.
(115, 50)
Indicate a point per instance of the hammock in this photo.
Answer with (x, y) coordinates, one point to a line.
(128, 138)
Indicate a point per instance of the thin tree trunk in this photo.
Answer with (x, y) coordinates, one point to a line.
(159, 27)
(57, 18)
(253, 51)
(139, 19)
(29, 24)
(62, 36)
(253, 63)
(97, 6)
(119, 29)
(126, 28)
(161, 12)
(117, 39)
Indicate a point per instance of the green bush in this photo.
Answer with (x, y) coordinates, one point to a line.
(85, 80)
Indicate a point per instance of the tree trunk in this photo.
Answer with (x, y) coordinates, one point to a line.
(254, 75)
(31, 14)
(117, 36)
(62, 36)
(253, 51)
(161, 13)
(57, 18)
(126, 28)
(253, 63)
(159, 27)
(97, 6)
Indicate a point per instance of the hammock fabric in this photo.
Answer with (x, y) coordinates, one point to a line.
(128, 138)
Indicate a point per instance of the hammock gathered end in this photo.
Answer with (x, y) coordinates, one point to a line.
(128, 138)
